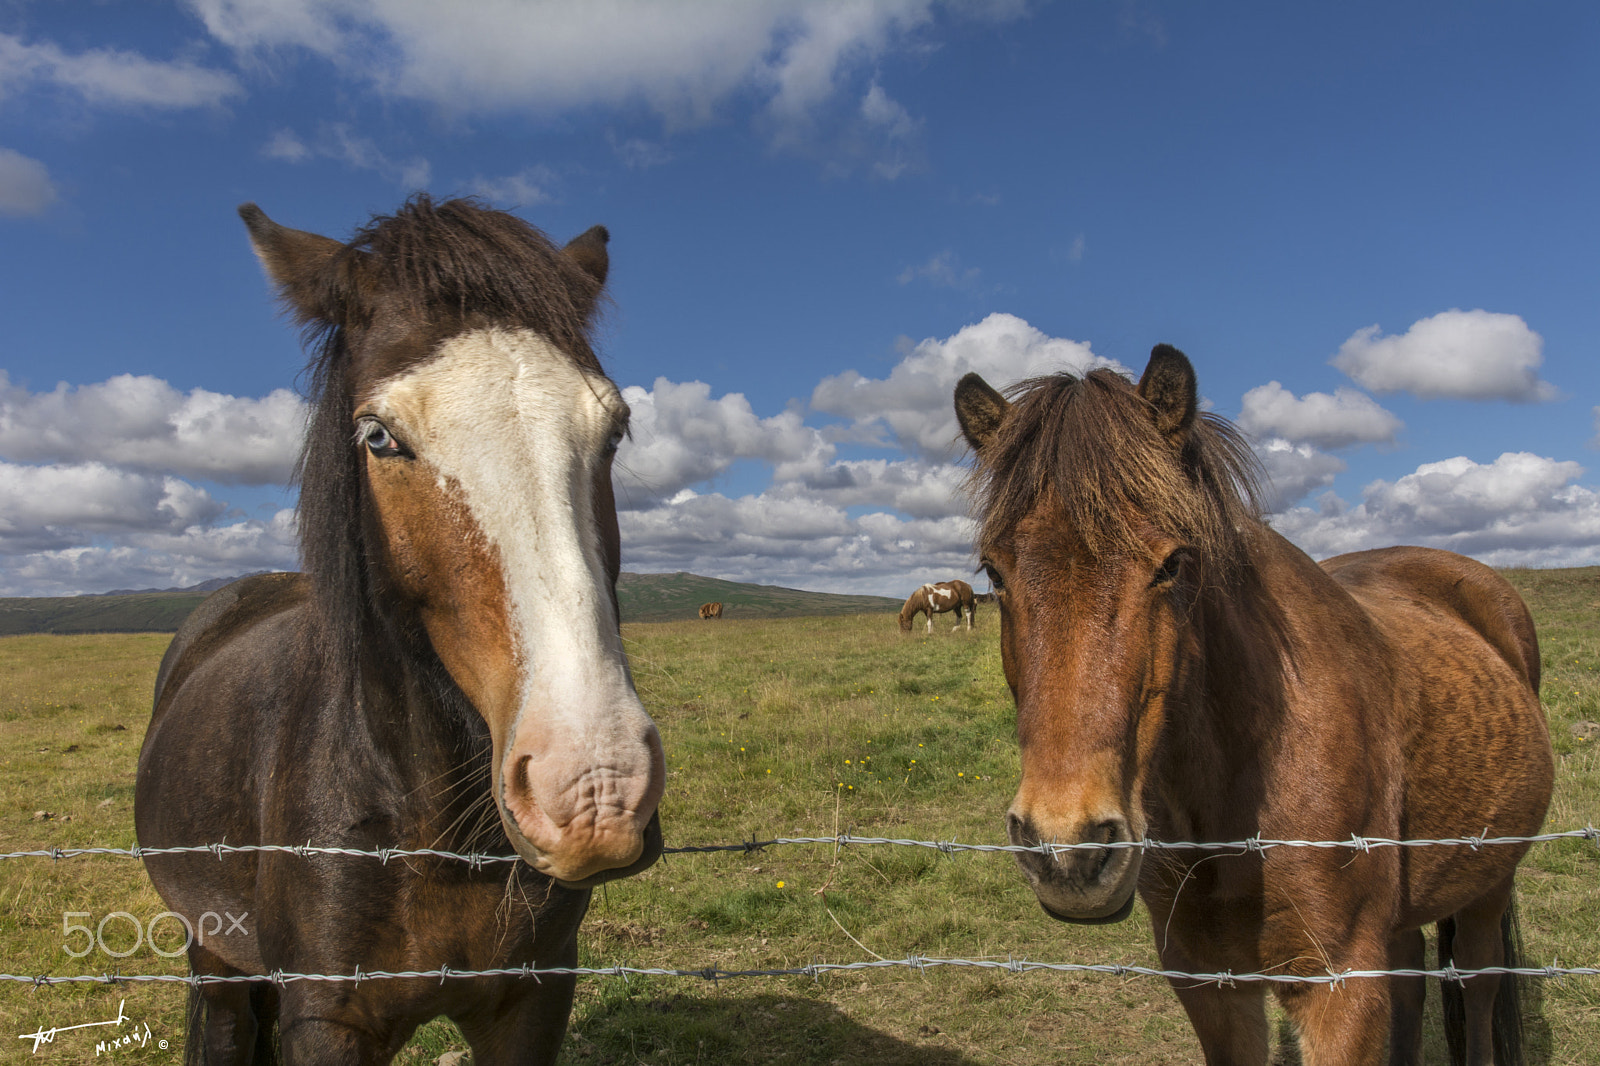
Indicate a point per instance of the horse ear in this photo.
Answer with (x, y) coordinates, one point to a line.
(588, 250)
(294, 259)
(1169, 386)
(980, 410)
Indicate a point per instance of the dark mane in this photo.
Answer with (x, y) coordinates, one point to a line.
(1090, 447)
(445, 267)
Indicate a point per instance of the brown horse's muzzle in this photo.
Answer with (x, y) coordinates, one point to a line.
(1088, 883)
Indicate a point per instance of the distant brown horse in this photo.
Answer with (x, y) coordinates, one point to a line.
(1183, 673)
(710, 610)
(937, 599)
(412, 687)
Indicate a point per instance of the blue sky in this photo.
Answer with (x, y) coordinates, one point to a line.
(1371, 226)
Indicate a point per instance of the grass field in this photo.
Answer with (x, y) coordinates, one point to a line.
(798, 727)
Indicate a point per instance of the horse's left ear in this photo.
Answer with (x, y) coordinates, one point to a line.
(1169, 386)
(588, 250)
(980, 410)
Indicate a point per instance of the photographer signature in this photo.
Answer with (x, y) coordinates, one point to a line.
(133, 1038)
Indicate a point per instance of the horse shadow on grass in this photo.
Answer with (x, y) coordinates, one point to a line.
(767, 1028)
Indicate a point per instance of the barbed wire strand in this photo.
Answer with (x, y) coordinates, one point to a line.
(476, 859)
(812, 970)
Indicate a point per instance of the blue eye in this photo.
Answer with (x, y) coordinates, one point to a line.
(379, 441)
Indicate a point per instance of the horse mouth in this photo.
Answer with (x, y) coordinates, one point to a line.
(1112, 918)
(652, 851)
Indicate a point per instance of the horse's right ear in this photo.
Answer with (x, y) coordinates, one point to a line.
(295, 260)
(980, 410)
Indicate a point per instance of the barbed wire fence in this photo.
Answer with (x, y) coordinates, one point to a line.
(816, 970)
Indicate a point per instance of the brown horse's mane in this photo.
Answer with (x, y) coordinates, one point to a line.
(447, 265)
(1090, 448)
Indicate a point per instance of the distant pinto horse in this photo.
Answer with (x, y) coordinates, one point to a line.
(412, 688)
(937, 599)
(1183, 673)
(710, 610)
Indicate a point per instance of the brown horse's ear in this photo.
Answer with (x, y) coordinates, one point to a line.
(295, 260)
(980, 410)
(1169, 386)
(588, 250)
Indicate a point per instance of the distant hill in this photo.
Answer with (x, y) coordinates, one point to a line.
(669, 597)
(644, 598)
(138, 612)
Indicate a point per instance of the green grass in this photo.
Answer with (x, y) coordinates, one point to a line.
(793, 727)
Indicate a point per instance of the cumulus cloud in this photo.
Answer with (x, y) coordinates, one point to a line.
(1347, 417)
(1520, 510)
(154, 559)
(683, 60)
(913, 409)
(795, 542)
(1293, 470)
(25, 185)
(1464, 355)
(111, 77)
(141, 423)
(680, 436)
(51, 507)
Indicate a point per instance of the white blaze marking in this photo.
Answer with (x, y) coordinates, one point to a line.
(508, 417)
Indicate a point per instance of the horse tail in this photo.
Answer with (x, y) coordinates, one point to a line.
(1509, 1001)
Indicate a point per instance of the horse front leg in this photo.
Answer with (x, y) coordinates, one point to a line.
(1407, 997)
(528, 1030)
(1231, 1023)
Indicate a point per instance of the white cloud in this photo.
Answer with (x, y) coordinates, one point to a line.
(337, 141)
(25, 185)
(1292, 470)
(287, 146)
(943, 270)
(527, 187)
(796, 542)
(1520, 510)
(1345, 418)
(141, 423)
(1464, 355)
(52, 507)
(109, 77)
(680, 436)
(165, 559)
(683, 60)
(913, 408)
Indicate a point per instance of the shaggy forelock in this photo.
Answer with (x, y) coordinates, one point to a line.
(1089, 449)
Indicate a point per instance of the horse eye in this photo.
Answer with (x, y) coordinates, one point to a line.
(379, 441)
(1171, 567)
(994, 578)
(615, 442)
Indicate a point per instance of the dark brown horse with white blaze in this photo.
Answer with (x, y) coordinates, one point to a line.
(413, 688)
(937, 598)
(1183, 673)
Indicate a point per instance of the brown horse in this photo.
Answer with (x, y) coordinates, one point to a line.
(710, 610)
(1181, 672)
(937, 599)
(412, 684)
